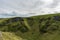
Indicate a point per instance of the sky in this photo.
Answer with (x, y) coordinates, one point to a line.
(27, 8)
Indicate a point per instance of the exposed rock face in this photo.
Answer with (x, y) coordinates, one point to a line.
(57, 18)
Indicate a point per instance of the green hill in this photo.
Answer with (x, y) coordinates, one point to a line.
(44, 27)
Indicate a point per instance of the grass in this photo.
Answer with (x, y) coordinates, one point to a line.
(10, 36)
(27, 25)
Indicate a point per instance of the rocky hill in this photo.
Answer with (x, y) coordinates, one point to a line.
(45, 27)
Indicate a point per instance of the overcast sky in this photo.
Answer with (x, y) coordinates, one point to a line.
(10, 8)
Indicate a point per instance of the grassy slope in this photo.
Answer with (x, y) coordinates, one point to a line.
(27, 25)
(10, 36)
(43, 27)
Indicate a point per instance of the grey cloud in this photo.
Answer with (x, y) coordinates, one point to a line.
(54, 4)
(32, 7)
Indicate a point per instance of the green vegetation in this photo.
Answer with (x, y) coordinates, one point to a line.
(44, 27)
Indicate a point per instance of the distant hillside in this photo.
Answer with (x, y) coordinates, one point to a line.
(45, 27)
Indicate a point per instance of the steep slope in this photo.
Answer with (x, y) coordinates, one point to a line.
(45, 27)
